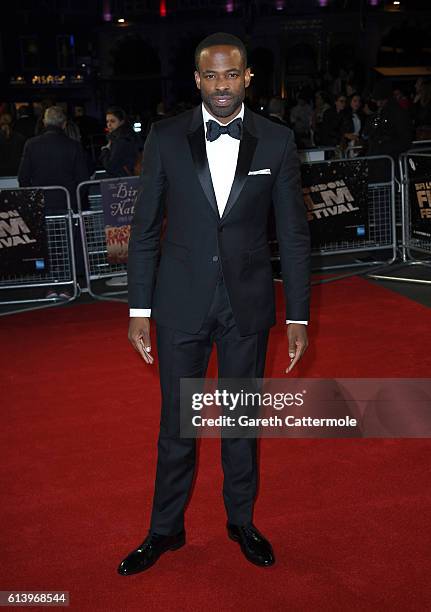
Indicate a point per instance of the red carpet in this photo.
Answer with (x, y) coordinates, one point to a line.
(349, 519)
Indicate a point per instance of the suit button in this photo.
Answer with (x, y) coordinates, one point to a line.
(215, 257)
(220, 229)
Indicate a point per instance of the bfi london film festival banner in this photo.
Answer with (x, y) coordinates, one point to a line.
(336, 198)
(23, 240)
(420, 196)
(118, 200)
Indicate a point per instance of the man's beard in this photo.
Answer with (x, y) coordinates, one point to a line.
(222, 111)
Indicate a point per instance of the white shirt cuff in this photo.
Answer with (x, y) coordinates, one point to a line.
(302, 322)
(140, 312)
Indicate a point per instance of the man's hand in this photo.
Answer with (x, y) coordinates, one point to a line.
(139, 336)
(298, 342)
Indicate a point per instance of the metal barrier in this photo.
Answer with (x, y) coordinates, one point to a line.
(412, 245)
(9, 182)
(420, 145)
(381, 221)
(410, 242)
(98, 269)
(61, 271)
(381, 224)
(319, 154)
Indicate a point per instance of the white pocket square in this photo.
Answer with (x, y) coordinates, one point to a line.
(264, 171)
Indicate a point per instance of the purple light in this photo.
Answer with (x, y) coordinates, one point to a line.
(279, 5)
(323, 3)
(373, 2)
(107, 15)
(230, 7)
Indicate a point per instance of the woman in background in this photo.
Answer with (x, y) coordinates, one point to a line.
(120, 156)
(332, 123)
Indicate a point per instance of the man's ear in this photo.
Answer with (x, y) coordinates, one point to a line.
(247, 77)
(197, 79)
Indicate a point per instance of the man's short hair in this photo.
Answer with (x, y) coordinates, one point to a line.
(217, 39)
(54, 117)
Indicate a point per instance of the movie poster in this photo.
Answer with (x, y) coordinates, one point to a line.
(336, 198)
(118, 200)
(419, 172)
(23, 240)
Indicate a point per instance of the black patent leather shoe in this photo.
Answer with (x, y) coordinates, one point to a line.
(149, 551)
(254, 546)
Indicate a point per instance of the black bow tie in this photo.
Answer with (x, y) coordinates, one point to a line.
(234, 129)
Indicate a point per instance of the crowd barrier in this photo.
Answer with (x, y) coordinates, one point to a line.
(8, 182)
(29, 290)
(381, 236)
(319, 154)
(98, 270)
(415, 173)
(377, 248)
(420, 145)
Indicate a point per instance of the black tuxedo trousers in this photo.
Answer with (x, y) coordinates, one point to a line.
(182, 355)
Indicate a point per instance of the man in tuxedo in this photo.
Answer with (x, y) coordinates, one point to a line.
(215, 170)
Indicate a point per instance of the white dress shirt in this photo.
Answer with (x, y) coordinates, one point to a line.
(222, 155)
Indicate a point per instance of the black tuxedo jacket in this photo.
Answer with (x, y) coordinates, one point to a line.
(176, 179)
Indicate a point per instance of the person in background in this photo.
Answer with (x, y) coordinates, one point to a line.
(26, 121)
(72, 130)
(39, 109)
(418, 86)
(89, 127)
(421, 112)
(332, 123)
(340, 82)
(119, 157)
(353, 123)
(276, 111)
(52, 158)
(322, 104)
(402, 99)
(351, 88)
(300, 117)
(389, 131)
(11, 146)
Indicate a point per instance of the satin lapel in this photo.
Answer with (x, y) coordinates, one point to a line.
(197, 145)
(245, 156)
